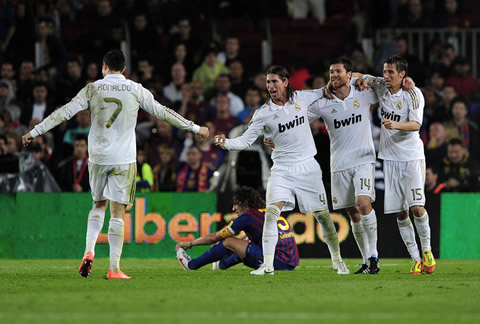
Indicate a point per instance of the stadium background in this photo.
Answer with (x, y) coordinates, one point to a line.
(365, 31)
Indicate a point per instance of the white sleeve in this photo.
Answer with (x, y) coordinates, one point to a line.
(78, 103)
(415, 108)
(372, 97)
(254, 130)
(314, 111)
(150, 105)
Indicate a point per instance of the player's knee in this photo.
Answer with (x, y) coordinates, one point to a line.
(402, 215)
(418, 211)
(354, 214)
(102, 204)
(364, 205)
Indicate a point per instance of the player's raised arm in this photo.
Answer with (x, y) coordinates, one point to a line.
(78, 103)
(149, 104)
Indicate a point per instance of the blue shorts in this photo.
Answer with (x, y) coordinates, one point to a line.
(254, 258)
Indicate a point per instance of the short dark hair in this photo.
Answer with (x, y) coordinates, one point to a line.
(81, 137)
(456, 141)
(248, 197)
(283, 75)
(400, 63)
(460, 99)
(115, 60)
(347, 64)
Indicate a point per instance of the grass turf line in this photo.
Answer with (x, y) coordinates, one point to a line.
(41, 291)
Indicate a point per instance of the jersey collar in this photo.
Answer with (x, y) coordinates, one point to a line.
(114, 76)
(350, 95)
(398, 94)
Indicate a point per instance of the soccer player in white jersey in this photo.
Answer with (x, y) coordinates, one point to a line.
(402, 150)
(114, 102)
(352, 159)
(295, 172)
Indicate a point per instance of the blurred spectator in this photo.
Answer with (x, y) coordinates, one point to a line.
(195, 175)
(237, 78)
(84, 123)
(260, 82)
(71, 83)
(165, 172)
(463, 81)
(415, 17)
(194, 107)
(173, 91)
(11, 119)
(458, 171)
(466, 128)
(25, 81)
(92, 72)
(224, 121)
(22, 44)
(7, 25)
(231, 52)
(443, 112)
(298, 75)
(316, 82)
(6, 94)
(162, 133)
(212, 155)
(144, 172)
(3, 145)
(182, 33)
(209, 70)
(360, 62)
(436, 148)
(145, 72)
(301, 9)
(451, 16)
(7, 71)
(14, 142)
(431, 181)
(45, 149)
(101, 30)
(145, 42)
(222, 88)
(432, 103)
(73, 171)
(437, 81)
(252, 103)
(416, 70)
(54, 53)
(39, 109)
(181, 56)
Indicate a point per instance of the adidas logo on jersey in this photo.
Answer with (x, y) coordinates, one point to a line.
(348, 121)
(389, 115)
(291, 124)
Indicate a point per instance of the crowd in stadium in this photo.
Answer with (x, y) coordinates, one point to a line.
(186, 55)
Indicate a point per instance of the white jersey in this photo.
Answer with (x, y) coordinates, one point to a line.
(114, 102)
(348, 124)
(287, 126)
(403, 106)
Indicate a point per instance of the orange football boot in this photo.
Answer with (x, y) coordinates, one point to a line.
(86, 266)
(117, 275)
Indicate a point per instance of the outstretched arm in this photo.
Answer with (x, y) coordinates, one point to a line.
(207, 239)
(150, 105)
(78, 103)
(244, 141)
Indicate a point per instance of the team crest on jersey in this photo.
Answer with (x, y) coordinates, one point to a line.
(297, 107)
(399, 105)
(275, 117)
(335, 200)
(356, 104)
(333, 111)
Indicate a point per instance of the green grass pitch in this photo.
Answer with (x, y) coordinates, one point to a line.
(51, 291)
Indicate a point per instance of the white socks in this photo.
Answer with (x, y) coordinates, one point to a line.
(361, 238)
(369, 223)
(329, 233)
(115, 239)
(94, 227)
(408, 235)
(270, 235)
(423, 230)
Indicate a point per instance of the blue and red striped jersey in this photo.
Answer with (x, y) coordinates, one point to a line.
(251, 223)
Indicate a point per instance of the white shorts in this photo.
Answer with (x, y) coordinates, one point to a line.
(116, 183)
(301, 180)
(350, 183)
(404, 183)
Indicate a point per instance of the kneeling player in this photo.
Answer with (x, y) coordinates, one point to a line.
(248, 204)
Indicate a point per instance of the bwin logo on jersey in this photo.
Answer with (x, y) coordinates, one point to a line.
(390, 115)
(291, 124)
(347, 121)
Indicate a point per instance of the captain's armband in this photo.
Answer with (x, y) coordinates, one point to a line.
(226, 232)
